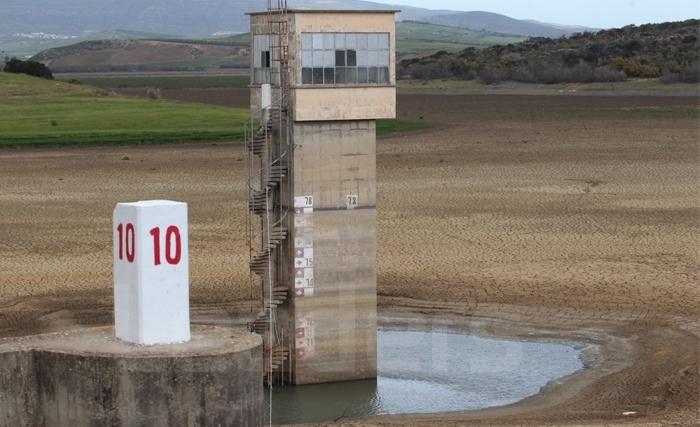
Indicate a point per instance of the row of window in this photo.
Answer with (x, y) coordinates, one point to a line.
(345, 75)
(333, 41)
(345, 58)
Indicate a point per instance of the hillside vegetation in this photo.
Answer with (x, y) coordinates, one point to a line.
(668, 50)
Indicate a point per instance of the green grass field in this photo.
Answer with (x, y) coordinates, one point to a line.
(387, 127)
(37, 112)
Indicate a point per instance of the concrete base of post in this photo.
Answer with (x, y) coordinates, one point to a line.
(88, 377)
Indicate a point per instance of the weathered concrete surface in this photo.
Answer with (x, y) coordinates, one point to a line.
(344, 103)
(343, 308)
(335, 159)
(17, 388)
(336, 327)
(88, 377)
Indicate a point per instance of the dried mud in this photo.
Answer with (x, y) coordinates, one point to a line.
(566, 213)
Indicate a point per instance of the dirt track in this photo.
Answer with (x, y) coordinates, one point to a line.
(566, 212)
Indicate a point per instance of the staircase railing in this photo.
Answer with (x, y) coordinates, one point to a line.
(266, 169)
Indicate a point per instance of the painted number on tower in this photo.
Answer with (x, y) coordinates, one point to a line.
(351, 201)
(304, 202)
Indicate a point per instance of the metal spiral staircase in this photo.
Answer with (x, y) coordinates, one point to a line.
(267, 170)
(268, 148)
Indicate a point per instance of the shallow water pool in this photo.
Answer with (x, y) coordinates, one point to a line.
(424, 372)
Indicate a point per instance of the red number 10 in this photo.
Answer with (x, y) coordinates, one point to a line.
(130, 242)
(127, 240)
(170, 257)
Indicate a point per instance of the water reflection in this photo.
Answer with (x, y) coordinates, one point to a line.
(423, 372)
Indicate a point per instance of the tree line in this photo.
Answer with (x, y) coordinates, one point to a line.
(668, 51)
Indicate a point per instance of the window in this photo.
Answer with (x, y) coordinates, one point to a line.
(351, 58)
(345, 58)
(339, 58)
(264, 68)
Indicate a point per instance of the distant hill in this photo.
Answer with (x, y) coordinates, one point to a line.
(420, 37)
(28, 44)
(669, 50)
(170, 53)
(144, 55)
(494, 22)
(192, 18)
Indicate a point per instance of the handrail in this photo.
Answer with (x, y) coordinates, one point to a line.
(278, 161)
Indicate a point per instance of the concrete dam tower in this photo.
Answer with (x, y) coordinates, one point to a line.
(320, 80)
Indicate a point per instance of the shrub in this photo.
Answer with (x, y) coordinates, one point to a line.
(548, 73)
(608, 74)
(523, 73)
(430, 70)
(490, 76)
(690, 73)
(32, 68)
(631, 68)
(687, 74)
(581, 73)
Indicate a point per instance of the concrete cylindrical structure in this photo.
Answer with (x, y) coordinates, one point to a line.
(89, 378)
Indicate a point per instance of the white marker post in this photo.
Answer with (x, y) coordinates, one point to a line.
(151, 272)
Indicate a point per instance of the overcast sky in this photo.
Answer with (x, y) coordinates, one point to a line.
(591, 13)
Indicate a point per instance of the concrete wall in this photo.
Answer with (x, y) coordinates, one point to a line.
(88, 378)
(17, 388)
(355, 103)
(336, 326)
(334, 159)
